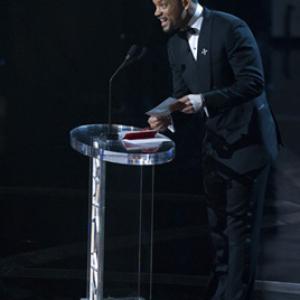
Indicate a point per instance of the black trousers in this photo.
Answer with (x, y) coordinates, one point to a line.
(235, 209)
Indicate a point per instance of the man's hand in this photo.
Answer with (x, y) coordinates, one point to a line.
(192, 103)
(159, 123)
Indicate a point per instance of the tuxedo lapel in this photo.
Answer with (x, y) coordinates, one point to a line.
(184, 50)
(196, 74)
(204, 53)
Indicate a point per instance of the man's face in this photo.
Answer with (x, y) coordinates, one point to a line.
(171, 14)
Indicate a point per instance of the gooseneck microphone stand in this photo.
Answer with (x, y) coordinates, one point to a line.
(128, 59)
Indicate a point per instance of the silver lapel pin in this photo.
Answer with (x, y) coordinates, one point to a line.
(204, 51)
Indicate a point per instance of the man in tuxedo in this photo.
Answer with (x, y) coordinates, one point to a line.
(218, 78)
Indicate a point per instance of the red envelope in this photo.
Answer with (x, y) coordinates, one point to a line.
(142, 134)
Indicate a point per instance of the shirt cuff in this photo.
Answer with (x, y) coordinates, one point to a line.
(197, 101)
(171, 127)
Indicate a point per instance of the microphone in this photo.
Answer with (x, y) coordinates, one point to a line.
(135, 53)
(142, 52)
(131, 52)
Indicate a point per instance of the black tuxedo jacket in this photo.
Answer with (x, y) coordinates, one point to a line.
(240, 131)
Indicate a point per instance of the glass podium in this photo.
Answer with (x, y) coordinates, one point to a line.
(121, 209)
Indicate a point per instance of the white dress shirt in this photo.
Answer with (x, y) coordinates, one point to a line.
(193, 39)
(195, 23)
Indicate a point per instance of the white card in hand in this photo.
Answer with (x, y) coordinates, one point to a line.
(163, 109)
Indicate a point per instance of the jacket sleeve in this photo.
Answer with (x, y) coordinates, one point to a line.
(245, 61)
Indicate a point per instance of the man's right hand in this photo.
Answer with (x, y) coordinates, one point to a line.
(159, 123)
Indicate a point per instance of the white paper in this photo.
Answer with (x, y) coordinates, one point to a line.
(163, 109)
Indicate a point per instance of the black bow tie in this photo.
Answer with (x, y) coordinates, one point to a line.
(188, 31)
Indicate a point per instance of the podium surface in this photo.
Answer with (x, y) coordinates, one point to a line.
(105, 146)
(94, 141)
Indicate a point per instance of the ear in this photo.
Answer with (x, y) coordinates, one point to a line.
(186, 4)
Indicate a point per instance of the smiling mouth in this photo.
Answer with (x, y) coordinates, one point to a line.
(163, 22)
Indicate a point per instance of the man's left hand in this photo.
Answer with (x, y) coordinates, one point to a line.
(192, 103)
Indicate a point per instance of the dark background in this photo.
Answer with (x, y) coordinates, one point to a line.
(56, 58)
